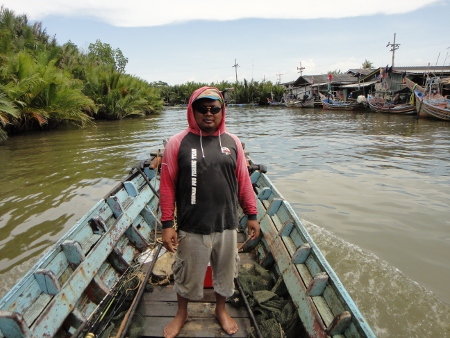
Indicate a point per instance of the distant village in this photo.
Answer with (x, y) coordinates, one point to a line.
(424, 91)
(381, 82)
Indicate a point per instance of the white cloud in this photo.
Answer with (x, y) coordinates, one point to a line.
(135, 13)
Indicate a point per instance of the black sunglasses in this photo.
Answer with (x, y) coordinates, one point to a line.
(204, 109)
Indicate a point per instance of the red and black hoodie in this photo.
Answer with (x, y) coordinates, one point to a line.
(206, 177)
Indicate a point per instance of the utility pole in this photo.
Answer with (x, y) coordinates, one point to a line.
(279, 77)
(235, 68)
(300, 70)
(394, 47)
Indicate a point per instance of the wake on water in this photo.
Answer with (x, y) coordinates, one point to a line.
(393, 304)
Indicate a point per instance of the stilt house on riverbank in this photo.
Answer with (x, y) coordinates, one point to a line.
(312, 85)
(383, 81)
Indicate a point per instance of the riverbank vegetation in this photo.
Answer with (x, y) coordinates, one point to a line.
(44, 84)
(235, 92)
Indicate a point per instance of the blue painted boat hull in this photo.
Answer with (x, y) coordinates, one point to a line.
(67, 285)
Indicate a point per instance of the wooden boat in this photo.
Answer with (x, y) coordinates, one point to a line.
(429, 104)
(243, 104)
(81, 281)
(308, 103)
(380, 105)
(272, 102)
(329, 103)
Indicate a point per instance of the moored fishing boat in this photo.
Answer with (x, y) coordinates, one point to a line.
(329, 103)
(308, 103)
(292, 102)
(428, 101)
(380, 105)
(75, 286)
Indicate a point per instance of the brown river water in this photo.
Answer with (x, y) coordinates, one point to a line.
(373, 190)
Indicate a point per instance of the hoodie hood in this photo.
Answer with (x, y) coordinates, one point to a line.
(193, 127)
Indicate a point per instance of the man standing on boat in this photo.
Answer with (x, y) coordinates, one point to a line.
(204, 172)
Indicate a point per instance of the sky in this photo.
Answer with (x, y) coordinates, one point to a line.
(176, 41)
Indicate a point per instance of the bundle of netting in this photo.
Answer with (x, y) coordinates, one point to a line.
(274, 312)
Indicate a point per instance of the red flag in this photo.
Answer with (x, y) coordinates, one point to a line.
(330, 77)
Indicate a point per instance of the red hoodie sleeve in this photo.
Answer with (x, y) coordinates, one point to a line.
(168, 183)
(246, 196)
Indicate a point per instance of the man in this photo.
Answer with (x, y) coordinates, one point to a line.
(204, 172)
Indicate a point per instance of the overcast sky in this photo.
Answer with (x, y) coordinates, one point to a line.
(176, 41)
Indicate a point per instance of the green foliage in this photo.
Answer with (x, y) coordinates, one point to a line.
(43, 94)
(367, 64)
(44, 84)
(120, 95)
(8, 112)
(336, 71)
(103, 54)
(237, 92)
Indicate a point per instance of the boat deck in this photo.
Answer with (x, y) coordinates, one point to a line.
(161, 307)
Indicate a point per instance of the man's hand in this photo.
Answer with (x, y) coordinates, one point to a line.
(170, 239)
(253, 229)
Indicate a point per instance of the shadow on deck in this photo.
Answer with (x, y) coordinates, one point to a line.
(160, 306)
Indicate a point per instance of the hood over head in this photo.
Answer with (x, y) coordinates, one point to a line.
(205, 93)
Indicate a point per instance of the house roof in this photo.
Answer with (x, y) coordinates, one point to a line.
(306, 80)
(359, 84)
(422, 69)
(362, 71)
(351, 80)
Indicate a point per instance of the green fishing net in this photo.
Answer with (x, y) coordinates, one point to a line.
(274, 312)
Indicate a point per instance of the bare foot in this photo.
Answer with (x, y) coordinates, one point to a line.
(172, 329)
(228, 323)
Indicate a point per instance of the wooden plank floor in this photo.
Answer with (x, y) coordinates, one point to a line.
(161, 307)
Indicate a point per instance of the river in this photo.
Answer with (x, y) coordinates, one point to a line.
(372, 189)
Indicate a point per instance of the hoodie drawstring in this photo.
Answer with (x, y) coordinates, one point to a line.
(201, 144)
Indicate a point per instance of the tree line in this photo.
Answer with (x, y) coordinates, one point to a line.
(44, 84)
(236, 92)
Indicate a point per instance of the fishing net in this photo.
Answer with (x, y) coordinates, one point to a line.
(274, 312)
(137, 325)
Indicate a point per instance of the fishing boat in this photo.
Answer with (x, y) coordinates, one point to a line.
(82, 283)
(380, 105)
(329, 103)
(295, 103)
(271, 102)
(428, 101)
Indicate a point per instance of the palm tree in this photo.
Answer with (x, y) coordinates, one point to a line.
(43, 93)
(8, 113)
(119, 95)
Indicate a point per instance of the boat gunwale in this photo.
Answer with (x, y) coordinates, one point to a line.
(52, 252)
(338, 288)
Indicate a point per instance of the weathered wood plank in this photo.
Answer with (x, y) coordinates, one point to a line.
(245, 258)
(241, 237)
(195, 327)
(167, 294)
(202, 310)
